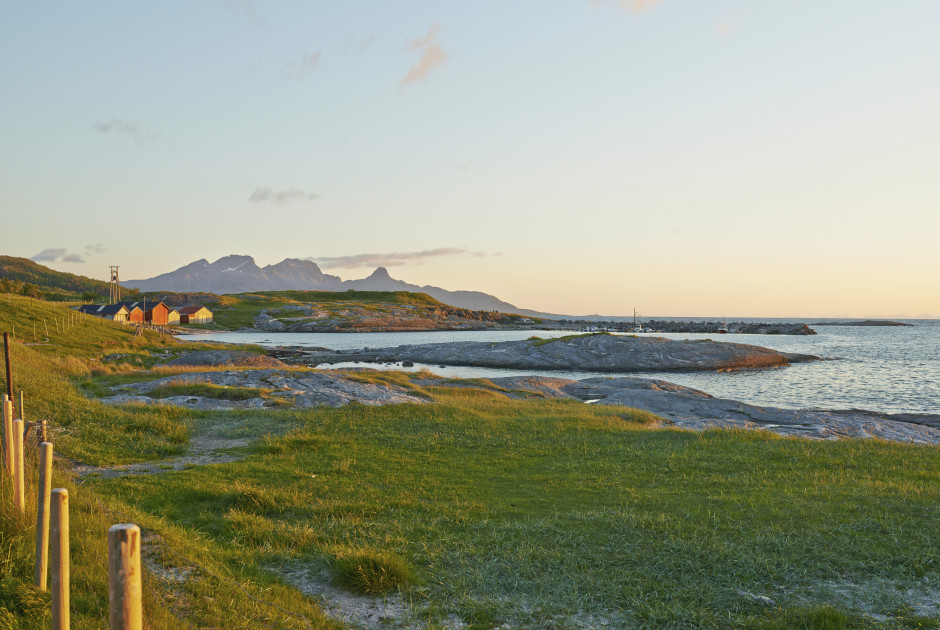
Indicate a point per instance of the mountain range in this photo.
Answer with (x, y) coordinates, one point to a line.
(240, 274)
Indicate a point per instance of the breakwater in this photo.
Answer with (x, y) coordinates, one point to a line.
(673, 326)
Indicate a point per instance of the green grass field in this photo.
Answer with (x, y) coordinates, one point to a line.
(498, 512)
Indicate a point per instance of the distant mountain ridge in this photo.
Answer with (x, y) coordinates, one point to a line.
(240, 274)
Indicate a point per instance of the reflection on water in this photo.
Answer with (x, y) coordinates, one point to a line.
(890, 369)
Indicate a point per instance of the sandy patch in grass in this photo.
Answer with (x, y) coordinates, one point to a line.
(360, 611)
(204, 449)
(880, 599)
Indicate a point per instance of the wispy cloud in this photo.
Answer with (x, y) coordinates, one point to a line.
(432, 55)
(266, 194)
(244, 8)
(368, 41)
(393, 258)
(307, 63)
(96, 248)
(636, 6)
(123, 127)
(57, 254)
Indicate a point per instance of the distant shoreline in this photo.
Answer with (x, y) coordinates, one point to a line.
(864, 322)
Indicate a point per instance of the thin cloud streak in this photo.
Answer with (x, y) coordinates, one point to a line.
(416, 44)
(635, 6)
(393, 258)
(123, 127)
(368, 42)
(245, 8)
(57, 254)
(305, 66)
(266, 194)
(432, 55)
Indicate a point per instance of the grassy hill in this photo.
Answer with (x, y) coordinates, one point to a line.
(332, 311)
(25, 277)
(500, 512)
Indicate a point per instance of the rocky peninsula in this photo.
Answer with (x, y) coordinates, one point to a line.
(598, 352)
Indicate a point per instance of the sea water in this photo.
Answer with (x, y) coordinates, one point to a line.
(878, 368)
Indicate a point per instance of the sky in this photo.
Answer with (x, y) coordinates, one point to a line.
(684, 158)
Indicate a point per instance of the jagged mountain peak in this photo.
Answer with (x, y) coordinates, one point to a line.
(380, 273)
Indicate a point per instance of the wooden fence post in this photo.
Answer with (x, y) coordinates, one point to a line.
(19, 466)
(42, 515)
(59, 559)
(6, 355)
(7, 436)
(124, 579)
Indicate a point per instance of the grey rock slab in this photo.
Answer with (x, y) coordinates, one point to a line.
(229, 358)
(689, 408)
(597, 353)
(305, 389)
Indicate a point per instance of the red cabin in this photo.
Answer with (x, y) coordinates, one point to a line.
(159, 314)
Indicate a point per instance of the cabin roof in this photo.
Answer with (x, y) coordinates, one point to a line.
(102, 309)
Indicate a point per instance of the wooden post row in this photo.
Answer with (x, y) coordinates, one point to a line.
(124, 580)
(59, 558)
(42, 515)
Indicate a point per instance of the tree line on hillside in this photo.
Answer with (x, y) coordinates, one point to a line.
(25, 277)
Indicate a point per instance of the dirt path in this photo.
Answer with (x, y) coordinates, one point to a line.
(209, 446)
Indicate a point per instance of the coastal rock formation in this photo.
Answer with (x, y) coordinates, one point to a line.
(264, 321)
(225, 358)
(298, 389)
(678, 406)
(595, 353)
(689, 408)
(710, 328)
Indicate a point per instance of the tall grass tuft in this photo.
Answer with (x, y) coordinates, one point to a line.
(371, 573)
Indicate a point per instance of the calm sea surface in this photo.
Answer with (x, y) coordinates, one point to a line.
(888, 369)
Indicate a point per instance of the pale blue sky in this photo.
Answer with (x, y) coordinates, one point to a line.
(690, 158)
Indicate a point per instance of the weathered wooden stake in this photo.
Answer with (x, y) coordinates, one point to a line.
(124, 579)
(7, 435)
(6, 354)
(46, 325)
(42, 515)
(59, 558)
(19, 466)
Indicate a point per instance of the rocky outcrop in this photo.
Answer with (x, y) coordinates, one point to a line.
(678, 406)
(689, 408)
(297, 389)
(595, 353)
(264, 321)
(225, 358)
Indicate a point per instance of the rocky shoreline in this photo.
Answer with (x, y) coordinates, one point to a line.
(678, 406)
